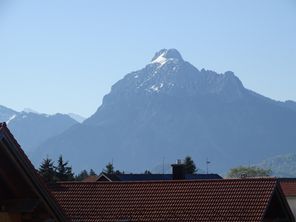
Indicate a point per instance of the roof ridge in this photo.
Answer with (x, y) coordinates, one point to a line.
(157, 174)
(170, 181)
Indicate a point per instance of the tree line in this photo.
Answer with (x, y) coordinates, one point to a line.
(52, 173)
(62, 171)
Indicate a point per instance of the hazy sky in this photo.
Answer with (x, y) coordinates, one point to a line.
(64, 55)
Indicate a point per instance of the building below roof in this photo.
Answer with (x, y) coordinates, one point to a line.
(148, 177)
(178, 173)
(289, 188)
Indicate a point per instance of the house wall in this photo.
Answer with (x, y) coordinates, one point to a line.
(292, 204)
(5, 217)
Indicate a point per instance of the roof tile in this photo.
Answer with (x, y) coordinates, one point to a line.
(205, 200)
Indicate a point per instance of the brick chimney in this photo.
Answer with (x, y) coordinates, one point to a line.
(178, 170)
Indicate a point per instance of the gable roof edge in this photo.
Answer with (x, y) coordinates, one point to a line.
(283, 201)
(105, 176)
(29, 172)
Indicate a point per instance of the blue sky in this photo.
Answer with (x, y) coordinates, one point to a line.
(63, 56)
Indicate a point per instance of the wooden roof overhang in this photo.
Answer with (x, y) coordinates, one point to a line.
(21, 188)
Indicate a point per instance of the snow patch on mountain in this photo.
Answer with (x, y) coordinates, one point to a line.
(10, 119)
(161, 60)
(76, 117)
(156, 87)
(164, 56)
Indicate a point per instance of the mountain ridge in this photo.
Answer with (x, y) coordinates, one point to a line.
(170, 108)
(32, 128)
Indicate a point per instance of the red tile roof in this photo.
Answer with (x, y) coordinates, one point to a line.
(289, 187)
(205, 200)
(90, 179)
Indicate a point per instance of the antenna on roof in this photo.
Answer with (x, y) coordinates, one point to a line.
(163, 167)
(207, 163)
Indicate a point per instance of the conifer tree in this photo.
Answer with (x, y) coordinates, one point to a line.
(82, 175)
(92, 173)
(46, 170)
(190, 166)
(109, 168)
(63, 171)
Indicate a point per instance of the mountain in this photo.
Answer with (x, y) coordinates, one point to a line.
(29, 110)
(76, 117)
(6, 113)
(32, 128)
(281, 165)
(290, 104)
(171, 109)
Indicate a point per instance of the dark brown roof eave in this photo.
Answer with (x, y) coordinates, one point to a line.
(28, 170)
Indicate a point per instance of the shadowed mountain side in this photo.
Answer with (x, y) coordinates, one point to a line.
(290, 104)
(228, 137)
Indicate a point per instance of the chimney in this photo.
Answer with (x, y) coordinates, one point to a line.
(178, 170)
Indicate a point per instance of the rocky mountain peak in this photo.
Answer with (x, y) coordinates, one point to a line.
(169, 74)
(165, 55)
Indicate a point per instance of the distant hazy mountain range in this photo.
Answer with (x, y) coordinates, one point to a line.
(6, 113)
(31, 128)
(170, 109)
(281, 165)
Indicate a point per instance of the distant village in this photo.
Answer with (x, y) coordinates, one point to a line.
(53, 193)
